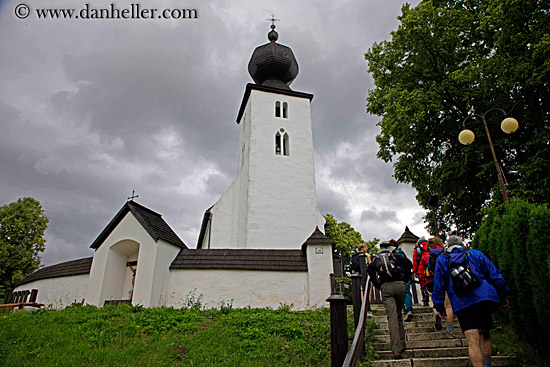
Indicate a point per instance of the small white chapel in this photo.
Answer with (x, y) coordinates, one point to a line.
(260, 245)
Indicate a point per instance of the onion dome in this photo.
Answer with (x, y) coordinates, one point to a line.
(272, 64)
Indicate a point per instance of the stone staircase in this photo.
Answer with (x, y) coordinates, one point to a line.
(426, 347)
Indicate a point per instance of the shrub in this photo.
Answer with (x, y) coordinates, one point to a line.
(515, 237)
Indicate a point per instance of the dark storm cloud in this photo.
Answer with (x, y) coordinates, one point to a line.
(90, 111)
(379, 215)
(331, 202)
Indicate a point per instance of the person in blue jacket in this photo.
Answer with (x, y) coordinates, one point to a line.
(473, 308)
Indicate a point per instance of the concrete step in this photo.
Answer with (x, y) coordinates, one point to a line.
(429, 353)
(496, 361)
(424, 344)
(420, 336)
(410, 330)
(416, 308)
(414, 327)
(426, 347)
(417, 317)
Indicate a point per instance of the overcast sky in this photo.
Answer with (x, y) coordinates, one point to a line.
(93, 109)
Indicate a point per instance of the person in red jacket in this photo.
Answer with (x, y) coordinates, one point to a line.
(435, 243)
(419, 249)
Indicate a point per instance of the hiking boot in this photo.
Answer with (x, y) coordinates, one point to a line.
(427, 303)
(438, 323)
(397, 356)
(408, 316)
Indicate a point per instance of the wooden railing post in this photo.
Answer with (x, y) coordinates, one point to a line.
(338, 325)
(356, 296)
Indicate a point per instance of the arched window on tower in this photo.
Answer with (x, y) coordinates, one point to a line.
(281, 109)
(282, 143)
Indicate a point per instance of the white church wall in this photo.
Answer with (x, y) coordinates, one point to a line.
(222, 227)
(109, 266)
(239, 288)
(165, 254)
(143, 286)
(281, 202)
(408, 249)
(320, 266)
(97, 276)
(59, 292)
(240, 207)
(115, 271)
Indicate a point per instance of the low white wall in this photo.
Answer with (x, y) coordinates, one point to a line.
(240, 288)
(59, 292)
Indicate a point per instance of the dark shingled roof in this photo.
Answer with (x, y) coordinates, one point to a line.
(234, 259)
(317, 237)
(65, 269)
(273, 61)
(250, 87)
(151, 221)
(407, 236)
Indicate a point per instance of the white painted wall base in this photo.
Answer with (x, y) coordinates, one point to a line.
(60, 292)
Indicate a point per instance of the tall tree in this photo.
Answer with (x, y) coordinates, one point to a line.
(22, 226)
(447, 60)
(345, 236)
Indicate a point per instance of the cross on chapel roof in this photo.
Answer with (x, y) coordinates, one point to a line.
(131, 198)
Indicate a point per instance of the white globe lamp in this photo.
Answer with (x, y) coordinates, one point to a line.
(509, 125)
(466, 137)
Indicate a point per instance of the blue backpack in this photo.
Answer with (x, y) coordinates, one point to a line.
(463, 275)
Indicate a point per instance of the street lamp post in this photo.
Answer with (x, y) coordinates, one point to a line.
(508, 125)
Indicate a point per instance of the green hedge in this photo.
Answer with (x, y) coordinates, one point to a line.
(516, 237)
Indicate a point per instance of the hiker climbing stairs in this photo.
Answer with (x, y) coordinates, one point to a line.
(426, 347)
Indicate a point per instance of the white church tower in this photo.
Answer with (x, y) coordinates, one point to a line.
(273, 202)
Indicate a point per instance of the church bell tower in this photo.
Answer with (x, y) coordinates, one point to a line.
(273, 202)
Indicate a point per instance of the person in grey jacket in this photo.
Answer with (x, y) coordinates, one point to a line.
(389, 272)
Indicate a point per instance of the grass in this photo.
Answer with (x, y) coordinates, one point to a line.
(134, 336)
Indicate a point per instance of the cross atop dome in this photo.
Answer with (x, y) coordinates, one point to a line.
(273, 20)
(273, 65)
(273, 35)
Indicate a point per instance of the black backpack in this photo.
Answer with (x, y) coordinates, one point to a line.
(464, 278)
(387, 267)
(434, 254)
(355, 261)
